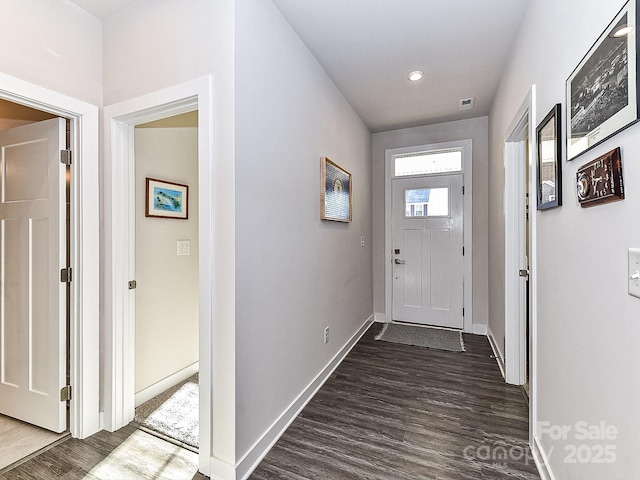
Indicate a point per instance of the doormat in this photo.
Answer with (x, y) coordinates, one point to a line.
(173, 415)
(419, 336)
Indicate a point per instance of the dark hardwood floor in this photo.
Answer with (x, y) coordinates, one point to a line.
(388, 412)
(398, 412)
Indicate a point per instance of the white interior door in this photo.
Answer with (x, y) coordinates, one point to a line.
(32, 253)
(427, 250)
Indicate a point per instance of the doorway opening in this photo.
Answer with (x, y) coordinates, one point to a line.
(520, 254)
(166, 276)
(120, 245)
(428, 218)
(25, 107)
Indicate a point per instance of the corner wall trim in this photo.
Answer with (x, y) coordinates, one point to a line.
(166, 383)
(496, 352)
(379, 317)
(479, 329)
(250, 460)
(541, 460)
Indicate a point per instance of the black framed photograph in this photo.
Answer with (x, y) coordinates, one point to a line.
(549, 149)
(166, 199)
(335, 192)
(601, 92)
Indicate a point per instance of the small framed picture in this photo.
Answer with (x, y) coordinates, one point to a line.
(335, 192)
(549, 160)
(601, 93)
(166, 199)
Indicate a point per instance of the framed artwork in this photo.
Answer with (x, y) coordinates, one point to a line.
(335, 192)
(549, 160)
(166, 199)
(600, 181)
(602, 92)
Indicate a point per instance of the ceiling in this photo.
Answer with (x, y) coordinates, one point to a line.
(369, 47)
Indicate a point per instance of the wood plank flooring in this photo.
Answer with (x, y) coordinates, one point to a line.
(399, 412)
(126, 454)
(388, 412)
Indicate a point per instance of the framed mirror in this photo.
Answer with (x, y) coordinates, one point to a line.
(549, 160)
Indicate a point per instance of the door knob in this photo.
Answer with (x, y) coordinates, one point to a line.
(398, 262)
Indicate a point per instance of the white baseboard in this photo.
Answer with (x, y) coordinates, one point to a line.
(380, 317)
(496, 352)
(221, 470)
(479, 329)
(257, 452)
(148, 393)
(541, 460)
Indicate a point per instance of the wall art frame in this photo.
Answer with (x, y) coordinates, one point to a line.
(336, 192)
(549, 168)
(600, 181)
(166, 199)
(602, 91)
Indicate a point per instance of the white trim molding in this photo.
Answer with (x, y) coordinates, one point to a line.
(479, 329)
(84, 240)
(379, 317)
(467, 171)
(496, 351)
(519, 141)
(250, 460)
(541, 460)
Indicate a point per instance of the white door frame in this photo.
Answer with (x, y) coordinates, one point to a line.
(84, 239)
(119, 183)
(515, 251)
(466, 147)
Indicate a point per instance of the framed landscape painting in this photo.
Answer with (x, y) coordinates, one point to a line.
(602, 93)
(166, 199)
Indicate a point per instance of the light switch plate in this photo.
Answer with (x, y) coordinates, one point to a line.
(634, 272)
(184, 247)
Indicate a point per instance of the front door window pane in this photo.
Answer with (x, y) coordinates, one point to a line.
(427, 202)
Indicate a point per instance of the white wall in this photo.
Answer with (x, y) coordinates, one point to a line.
(587, 323)
(154, 44)
(54, 44)
(167, 284)
(477, 130)
(295, 274)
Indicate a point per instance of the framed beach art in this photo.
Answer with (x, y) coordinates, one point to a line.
(166, 199)
(335, 192)
(602, 92)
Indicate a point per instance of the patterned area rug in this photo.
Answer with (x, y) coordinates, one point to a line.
(419, 336)
(173, 414)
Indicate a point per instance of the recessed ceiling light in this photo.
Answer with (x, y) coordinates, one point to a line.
(622, 31)
(416, 75)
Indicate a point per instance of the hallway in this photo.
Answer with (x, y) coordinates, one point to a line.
(398, 412)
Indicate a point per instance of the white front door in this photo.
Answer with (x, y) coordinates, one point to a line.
(32, 253)
(427, 250)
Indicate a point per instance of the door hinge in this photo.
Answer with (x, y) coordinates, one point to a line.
(463, 251)
(65, 393)
(463, 311)
(66, 275)
(65, 157)
(463, 189)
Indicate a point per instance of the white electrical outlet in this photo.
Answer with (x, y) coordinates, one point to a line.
(634, 272)
(362, 240)
(326, 334)
(184, 247)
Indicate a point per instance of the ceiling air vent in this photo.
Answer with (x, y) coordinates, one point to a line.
(466, 103)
